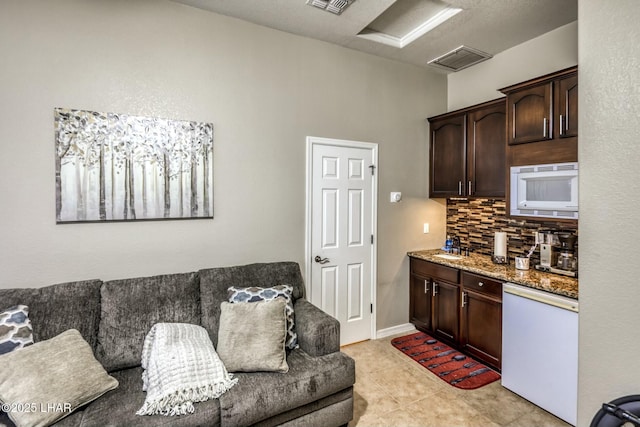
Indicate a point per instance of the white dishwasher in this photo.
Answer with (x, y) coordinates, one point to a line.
(540, 349)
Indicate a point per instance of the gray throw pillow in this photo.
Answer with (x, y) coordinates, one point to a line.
(251, 337)
(15, 328)
(53, 377)
(255, 293)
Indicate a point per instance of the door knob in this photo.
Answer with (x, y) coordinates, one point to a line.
(321, 260)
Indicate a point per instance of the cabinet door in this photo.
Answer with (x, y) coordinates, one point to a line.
(486, 149)
(446, 304)
(568, 106)
(529, 114)
(481, 334)
(448, 150)
(420, 302)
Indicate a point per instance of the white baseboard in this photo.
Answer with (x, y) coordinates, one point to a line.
(398, 329)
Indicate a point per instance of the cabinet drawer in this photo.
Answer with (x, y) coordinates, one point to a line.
(482, 284)
(436, 271)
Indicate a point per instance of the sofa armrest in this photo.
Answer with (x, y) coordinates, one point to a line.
(318, 333)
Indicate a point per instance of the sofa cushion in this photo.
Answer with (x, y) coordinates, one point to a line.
(333, 410)
(57, 308)
(15, 328)
(130, 307)
(60, 375)
(118, 407)
(258, 396)
(214, 283)
(254, 294)
(252, 336)
(73, 420)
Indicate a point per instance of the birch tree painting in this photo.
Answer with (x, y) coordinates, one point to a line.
(116, 167)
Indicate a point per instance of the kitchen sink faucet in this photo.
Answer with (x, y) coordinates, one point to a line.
(455, 247)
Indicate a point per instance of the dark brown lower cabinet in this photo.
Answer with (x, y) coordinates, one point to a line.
(481, 318)
(420, 300)
(446, 323)
(460, 308)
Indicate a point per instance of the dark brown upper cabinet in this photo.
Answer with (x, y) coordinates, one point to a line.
(543, 108)
(568, 106)
(467, 149)
(486, 150)
(448, 151)
(530, 113)
(542, 119)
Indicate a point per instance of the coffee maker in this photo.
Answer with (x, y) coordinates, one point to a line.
(558, 252)
(567, 261)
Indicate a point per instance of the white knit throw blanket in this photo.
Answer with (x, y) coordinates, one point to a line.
(180, 367)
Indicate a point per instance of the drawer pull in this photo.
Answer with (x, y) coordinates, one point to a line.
(435, 289)
(480, 284)
(426, 286)
(464, 299)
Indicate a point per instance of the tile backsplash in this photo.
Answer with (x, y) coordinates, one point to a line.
(475, 221)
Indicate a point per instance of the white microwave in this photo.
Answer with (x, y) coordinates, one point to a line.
(548, 191)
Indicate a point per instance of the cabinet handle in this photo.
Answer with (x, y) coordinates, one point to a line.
(435, 289)
(464, 299)
(426, 286)
(459, 188)
(561, 126)
(469, 193)
(544, 127)
(480, 284)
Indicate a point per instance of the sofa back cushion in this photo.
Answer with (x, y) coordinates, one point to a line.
(214, 283)
(57, 308)
(130, 307)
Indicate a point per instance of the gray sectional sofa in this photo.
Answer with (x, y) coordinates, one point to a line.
(115, 316)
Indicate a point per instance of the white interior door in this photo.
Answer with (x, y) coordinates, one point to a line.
(341, 224)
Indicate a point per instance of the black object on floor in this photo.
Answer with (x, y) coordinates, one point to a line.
(618, 412)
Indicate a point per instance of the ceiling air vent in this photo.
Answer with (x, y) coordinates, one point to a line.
(459, 58)
(333, 6)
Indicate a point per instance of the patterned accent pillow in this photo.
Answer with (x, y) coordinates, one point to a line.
(15, 328)
(254, 294)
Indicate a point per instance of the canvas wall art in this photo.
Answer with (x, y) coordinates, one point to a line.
(117, 167)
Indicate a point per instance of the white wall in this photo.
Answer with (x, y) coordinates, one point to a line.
(545, 54)
(264, 90)
(609, 151)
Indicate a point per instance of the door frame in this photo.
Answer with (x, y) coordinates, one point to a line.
(373, 147)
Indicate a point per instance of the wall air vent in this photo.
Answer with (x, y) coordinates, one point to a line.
(333, 6)
(460, 58)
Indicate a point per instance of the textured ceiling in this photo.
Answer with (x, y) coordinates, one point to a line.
(488, 25)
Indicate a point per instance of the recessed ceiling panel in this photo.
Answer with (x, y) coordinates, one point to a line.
(407, 20)
(403, 16)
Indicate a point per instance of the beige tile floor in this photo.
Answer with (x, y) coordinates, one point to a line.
(393, 390)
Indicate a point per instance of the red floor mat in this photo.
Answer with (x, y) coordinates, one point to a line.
(446, 363)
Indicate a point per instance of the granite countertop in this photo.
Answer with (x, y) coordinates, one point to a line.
(482, 264)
